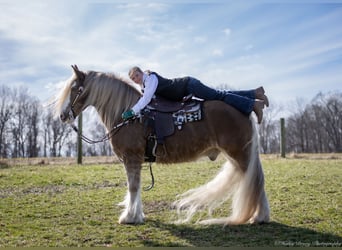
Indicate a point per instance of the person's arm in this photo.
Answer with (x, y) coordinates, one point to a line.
(151, 84)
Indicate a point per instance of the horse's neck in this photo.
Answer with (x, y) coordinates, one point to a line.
(109, 120)
(110, 110)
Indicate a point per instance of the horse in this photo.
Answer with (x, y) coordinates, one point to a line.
(223, 130)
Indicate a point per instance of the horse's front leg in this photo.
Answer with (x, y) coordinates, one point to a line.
(133, 212)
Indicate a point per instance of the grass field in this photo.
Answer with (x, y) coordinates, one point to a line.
(76, 205)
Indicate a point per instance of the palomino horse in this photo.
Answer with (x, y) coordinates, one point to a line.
(223, 129)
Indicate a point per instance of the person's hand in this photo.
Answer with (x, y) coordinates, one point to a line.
(127, 114)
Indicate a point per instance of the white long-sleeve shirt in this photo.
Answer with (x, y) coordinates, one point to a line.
(150, 84)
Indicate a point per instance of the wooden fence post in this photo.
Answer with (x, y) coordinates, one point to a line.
(282, 138)
(79, 140)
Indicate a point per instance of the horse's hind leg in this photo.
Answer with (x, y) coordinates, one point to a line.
(262, 212)
(133, 213)
(249, 201)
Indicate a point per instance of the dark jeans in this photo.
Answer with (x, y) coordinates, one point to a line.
(241, 100)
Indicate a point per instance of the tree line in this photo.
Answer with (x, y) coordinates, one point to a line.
(312, 128)
(29, 129)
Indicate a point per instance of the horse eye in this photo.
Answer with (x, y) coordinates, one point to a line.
(74, 86)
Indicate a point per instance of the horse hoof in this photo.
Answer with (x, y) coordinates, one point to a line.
(126, 219)
(258, 220)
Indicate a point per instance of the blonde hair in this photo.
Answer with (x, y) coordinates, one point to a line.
(133, 70)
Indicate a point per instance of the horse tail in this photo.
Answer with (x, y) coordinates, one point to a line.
(244, 188)
(249, 201)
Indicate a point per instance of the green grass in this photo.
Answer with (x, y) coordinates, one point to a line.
(76, 205)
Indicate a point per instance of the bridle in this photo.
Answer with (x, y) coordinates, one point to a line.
(84, 138)
(79, 93)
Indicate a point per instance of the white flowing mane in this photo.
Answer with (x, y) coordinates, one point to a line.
(63, 95)
(109, 94)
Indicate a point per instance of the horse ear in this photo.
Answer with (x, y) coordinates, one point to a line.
(80, 75)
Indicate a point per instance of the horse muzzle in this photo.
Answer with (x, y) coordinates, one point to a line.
(67, 117)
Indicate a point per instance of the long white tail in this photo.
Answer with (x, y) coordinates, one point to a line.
(246, 190)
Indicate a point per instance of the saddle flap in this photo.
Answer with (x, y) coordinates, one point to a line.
(164, 125)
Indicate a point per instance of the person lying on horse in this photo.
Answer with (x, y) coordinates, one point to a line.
(152, 84)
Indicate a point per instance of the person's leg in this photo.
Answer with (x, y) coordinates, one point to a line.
(202, 91)
(260, 94)
(246, 105)
(246, 93)
(240, 102)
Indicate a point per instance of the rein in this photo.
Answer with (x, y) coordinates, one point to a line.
(106, 137)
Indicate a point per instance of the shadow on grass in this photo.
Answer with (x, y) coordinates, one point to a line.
(271, 234)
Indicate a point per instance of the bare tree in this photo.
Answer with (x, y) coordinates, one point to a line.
(317, 127)
(46, 125)
(296, 127)
(59, 135)
(328, 110)
(33, 117)
(25, 124)
(6, 113)
(268, 130)
(18, 123)
(103, 148)
(55, 135)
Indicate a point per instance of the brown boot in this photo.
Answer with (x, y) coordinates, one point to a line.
(260, 94)
(257, 108)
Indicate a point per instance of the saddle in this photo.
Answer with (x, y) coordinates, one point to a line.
(161, 116)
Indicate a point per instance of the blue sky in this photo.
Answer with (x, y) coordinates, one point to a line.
(292, 48)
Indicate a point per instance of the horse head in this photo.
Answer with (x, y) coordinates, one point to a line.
(74, 96)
